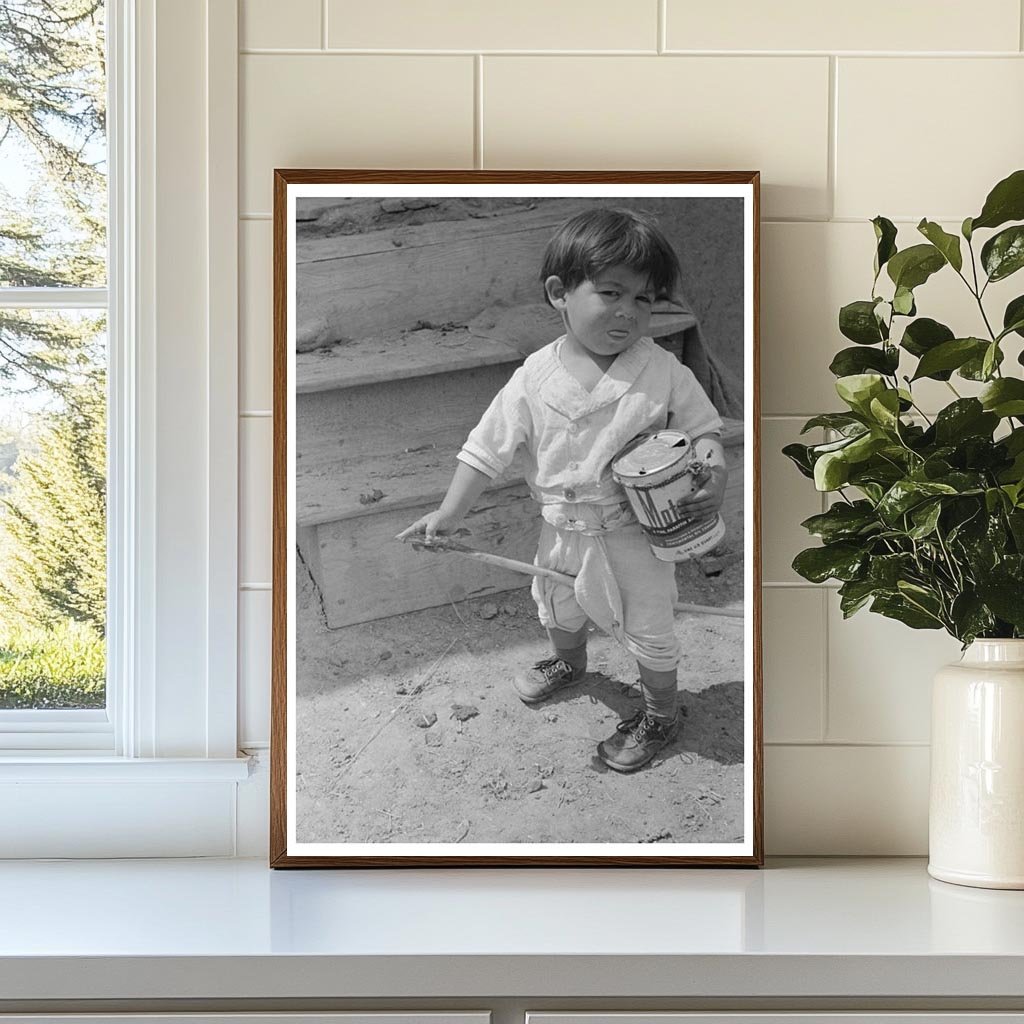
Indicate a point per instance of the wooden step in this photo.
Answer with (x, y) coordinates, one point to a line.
(365, 574)
(417, 352)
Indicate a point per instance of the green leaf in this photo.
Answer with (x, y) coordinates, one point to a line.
(799, 455)
(858, 389)
(903, 302)
(965, 228)
(971, 618)
(850, 361)
(947, 244)
(843, 521)
(912, 267)
(831, 471)
(854, 594)
(990, 361)
(840, 561)
(857, 322)
(904, 495)
(833, 420)
(966, 417)
(885, 409)
(923, 335)
(887, 570)
(1003, 595)
(1005, 202)
(949, 356)
(1013, 317)
(900, 609)
(974, 368)
(1004, 397)
(1003, 254)
(885, 236)
(925, 518)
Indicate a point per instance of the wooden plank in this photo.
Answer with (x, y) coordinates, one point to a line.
(413, 353)
(387, 238)
(369, 575)
(400, 438)
(448, 280)
(362, 486)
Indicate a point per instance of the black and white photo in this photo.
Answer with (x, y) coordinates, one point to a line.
(516, 612)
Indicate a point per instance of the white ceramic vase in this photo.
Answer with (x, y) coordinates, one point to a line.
(976, 813)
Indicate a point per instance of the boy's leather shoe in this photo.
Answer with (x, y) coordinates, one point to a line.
(545, 678)
(635, 741)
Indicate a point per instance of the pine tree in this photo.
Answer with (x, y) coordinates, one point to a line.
(53, 112)
(53, 521)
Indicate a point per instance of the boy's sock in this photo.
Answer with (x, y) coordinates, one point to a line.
(659, 690)
(570, 647)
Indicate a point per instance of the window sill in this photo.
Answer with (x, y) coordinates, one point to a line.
(74, 766)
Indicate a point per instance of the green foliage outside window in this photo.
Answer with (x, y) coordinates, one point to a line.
(52, 365)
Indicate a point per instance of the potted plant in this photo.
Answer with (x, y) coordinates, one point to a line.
(927, 521)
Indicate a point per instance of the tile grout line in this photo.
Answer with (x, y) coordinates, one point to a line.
(851, 744)
(768, 55)
(1020, 25)
(831, 171)
(662, 27)
(478, 111)
(824, 723)
(323, 24)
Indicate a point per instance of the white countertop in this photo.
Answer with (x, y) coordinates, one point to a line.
(234, 929)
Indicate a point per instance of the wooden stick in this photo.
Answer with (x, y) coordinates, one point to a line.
(447, 544)
(708, 609)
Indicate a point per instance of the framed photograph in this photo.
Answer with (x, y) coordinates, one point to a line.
(516, 553)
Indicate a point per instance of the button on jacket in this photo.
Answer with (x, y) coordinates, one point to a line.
(570, 435)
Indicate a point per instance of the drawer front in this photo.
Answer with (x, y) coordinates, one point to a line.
(359, 1017)
(933, 1017)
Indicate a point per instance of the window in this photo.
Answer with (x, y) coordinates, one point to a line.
(53, 370)
(156, 771)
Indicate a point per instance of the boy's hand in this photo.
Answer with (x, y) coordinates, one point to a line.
(707, 500)
(431, 525)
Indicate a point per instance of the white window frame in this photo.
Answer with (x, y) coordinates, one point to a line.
(173, 470)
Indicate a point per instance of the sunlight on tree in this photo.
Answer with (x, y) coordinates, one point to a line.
(52, 366)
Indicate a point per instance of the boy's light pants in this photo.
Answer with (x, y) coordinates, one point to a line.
(620, 586)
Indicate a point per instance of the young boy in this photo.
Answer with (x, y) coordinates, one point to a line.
(572, 406)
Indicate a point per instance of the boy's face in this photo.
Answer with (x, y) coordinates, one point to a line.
(608, 314)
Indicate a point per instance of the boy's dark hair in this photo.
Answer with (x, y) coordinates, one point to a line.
(591, 242)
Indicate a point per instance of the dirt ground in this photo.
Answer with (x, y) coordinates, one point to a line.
(408, 729)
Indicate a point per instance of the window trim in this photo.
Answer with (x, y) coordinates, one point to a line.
(173, 593)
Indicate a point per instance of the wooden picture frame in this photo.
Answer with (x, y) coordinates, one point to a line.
(396, 739)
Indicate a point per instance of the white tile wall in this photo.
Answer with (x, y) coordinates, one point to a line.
(256, 509)
(472, 25)
(879, 677)
(969, 110)
(873, 25)
(261, 26)
(350, 111)
(838, 139)
(254, 623)
(255, 312)
(697, 113)
(795, 639)
(787, 499)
